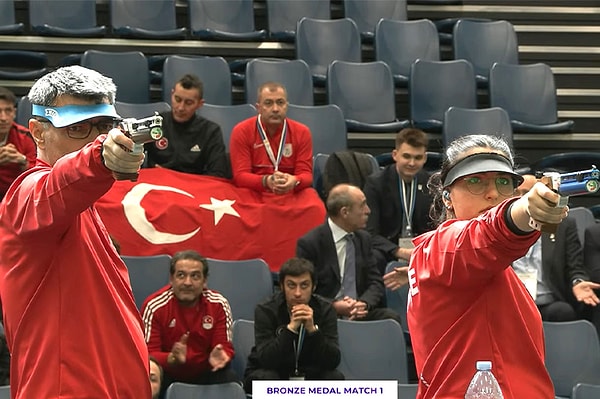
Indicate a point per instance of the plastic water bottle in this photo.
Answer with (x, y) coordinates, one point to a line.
(484, 385)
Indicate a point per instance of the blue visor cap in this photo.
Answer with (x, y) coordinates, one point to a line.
(70, 114)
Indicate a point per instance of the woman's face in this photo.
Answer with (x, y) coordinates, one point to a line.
(474, 194)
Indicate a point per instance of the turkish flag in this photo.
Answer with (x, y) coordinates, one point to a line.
(167, 211)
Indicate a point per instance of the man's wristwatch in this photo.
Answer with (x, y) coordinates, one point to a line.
(576, 281)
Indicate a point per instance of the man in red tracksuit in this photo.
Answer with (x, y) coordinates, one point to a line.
(188, 327)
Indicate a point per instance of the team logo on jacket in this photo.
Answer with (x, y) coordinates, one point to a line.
(287, 150)
(207, 322)
(162, 143)
(172, 323)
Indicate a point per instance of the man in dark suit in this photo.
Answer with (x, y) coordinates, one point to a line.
(591, 251)
(342, 253)
(399, 199)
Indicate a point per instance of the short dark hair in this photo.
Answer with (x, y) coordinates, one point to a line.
(189, 81)
(7, 95)
(413, 137)
(160, 369)
(192, 255)
(296, 267)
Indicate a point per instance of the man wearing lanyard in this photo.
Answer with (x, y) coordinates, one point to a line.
(270, 152)
(399, 200)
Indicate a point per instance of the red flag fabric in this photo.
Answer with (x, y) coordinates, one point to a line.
(167, 211)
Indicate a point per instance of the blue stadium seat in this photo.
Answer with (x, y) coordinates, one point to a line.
(586, 391)
(233, 277)
(147, 19)
(368, 102)
(283, 16)
(69, 18)
(436, 86)
(227, 116)
(147, 275)
(483, 43)
(129, 71)
(294, 75)
(320, 42)
(180, 390)
(326, 124)
(400, 43)
(212, 71)
(5, 392)
(224, 20)
(8, 24)
(23, 111)
(463, 121)
(567, 161)
(243, 341)
(528, 94)
(367, 13)
(22, 64)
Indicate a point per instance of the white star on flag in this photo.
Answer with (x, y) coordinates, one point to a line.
(220, 208)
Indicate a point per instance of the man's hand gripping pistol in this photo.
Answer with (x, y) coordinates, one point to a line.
(568, 184)
(140, 131)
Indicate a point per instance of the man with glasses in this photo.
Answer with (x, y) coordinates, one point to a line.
(188, 327)
(68, 306)
(17, 150)
(270, 152)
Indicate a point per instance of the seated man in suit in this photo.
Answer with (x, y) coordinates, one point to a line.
(399, 199)
(554, 274)
(294, 318)
(342, 252)
(188, 327)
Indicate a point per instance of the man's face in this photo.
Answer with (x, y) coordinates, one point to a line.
(297, 289)
(188, 281)
(53, 143)
(7, 116)
(409, 160)
(272, 106)
(154, 379)
(357, 214)
(184, 103)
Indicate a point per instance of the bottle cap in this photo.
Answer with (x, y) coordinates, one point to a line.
(484, 365)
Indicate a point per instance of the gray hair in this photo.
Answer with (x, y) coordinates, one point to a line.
(455, 152)
(75, 81)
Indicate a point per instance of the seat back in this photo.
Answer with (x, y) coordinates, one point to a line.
(23, 111)
(526, 92)
(229, 390)
(320, 42)
(23, 64)
(347, 167)
(129, 71)
(483, 43)
(243, 342)
(319, 162)
(568, 161)
(370, 98)
(147, 275)
(586, 391)
(326, 124)
(232, 16)
(367, 13)
(8, 26)
(398, 299)
(460, 122)
(232, 278)
(212, 71)
(139, 111)
(583, 219)
(67, 14)
(227, 116)
(407, 391)
(156, 16)
(5, 392)
(572, 353)
(372, 350)
(294, 75)
(436, 86)
(400, 43)
(283, 15)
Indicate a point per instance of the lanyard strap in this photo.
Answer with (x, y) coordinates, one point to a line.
(408, 202)
(267, 145)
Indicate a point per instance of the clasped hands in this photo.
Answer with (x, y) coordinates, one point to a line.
(10, 154)
(218, 358)
(280, 183)
(351, 308)
(301, 314)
